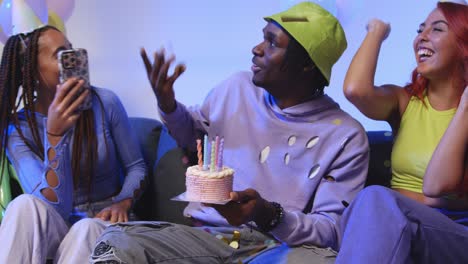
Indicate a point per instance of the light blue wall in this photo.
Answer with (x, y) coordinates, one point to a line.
(215, 38)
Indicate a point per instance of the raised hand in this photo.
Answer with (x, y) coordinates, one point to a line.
(379, 27)
(63, 111)
(161, 83)
(117, 212)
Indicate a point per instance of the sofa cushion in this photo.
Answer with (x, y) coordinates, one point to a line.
(168, 181)
(166, 171)
(380, 172)
(147, 131)
(167, 164)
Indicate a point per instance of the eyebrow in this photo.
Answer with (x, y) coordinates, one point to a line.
(270, 35)
(434, 23)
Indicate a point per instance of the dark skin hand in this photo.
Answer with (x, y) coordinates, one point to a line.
(161, 83)
(246, 206)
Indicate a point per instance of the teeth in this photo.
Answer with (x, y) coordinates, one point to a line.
(425, 52)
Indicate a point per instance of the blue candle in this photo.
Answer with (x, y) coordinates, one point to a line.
(220, 155)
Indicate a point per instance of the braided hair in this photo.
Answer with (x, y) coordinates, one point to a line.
(18, 75)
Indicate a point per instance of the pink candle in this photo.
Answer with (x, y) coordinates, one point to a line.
(199, 153)
(206, 152)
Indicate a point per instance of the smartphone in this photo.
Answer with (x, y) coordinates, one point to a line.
(74, 63)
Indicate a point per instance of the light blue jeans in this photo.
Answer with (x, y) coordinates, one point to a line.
(32, 231)
(383, 226)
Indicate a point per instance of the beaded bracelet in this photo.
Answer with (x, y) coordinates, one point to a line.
(279, 213)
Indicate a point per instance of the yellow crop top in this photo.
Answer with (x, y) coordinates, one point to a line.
(420, 131)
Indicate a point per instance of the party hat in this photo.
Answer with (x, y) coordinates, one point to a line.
(56, 21)
(22, 16)
(3, 37)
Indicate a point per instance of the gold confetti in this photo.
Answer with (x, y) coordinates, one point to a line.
(236, 235)
(337, 122)
(234, 244)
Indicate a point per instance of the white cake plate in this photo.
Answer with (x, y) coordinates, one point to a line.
(183, 198)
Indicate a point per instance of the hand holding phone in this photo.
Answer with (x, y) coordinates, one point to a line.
(74, 63)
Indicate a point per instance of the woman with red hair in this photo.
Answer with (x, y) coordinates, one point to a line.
(420, 219)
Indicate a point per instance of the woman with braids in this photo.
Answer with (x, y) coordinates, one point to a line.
(70, 163)
(423, 218)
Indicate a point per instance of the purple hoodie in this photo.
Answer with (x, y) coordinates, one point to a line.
(287, 155)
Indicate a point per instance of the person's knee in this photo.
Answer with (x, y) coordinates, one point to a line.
(23, 200)
(23, 204)
(134, 243)
(104, 251)
(88, 226)
(24, 214)
(374, 194)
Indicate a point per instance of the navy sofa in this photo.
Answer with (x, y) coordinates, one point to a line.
(167, 168)
(167, 164)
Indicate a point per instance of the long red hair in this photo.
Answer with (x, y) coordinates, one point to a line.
(457, 19)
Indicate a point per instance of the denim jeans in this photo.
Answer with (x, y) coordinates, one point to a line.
(162, 242)
(383, 226)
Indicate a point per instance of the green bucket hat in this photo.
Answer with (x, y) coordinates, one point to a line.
(318, 31)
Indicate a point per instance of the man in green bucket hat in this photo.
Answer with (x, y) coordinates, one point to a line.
(298, 158)
(317, 31)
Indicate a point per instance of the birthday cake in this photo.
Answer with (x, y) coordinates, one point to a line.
(209, 181)
(208, 186)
